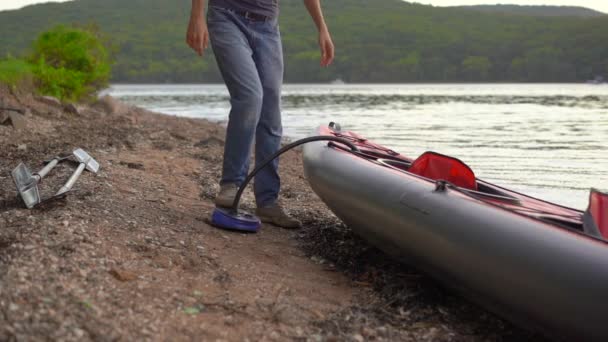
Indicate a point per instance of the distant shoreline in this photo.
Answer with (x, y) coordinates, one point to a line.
(366, 83)
(356, 83)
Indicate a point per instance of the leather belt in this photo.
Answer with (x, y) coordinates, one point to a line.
(252, 16)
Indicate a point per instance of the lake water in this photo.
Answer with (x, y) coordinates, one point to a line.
(546, 140)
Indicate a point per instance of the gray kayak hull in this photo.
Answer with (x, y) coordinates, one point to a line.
(545, 277)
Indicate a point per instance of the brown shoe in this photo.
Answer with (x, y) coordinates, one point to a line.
(276, 216)
(226, 195)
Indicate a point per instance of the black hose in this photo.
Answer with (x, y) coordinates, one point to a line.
(237, 198)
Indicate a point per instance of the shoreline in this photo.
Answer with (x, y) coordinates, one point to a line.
(129, 254)
(372, 83)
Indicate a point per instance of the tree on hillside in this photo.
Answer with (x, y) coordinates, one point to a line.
(376, 41)
(476, 68)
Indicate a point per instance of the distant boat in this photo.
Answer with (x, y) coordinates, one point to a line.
(337, 81)
(597, 80)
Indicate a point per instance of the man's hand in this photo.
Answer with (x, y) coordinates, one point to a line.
(198, 36)
(327, 48)
(325, 43)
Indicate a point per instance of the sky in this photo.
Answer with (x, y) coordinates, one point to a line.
(600, 5)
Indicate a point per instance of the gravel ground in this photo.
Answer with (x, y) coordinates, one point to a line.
(128, 255)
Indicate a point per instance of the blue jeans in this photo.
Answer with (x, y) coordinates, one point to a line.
(250, 57)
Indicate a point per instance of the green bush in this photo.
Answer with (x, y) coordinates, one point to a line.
(13, 72)
(63, 83)
(70, 63)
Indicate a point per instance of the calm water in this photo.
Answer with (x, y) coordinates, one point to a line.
(547, 140)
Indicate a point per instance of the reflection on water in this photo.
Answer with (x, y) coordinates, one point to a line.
(547, 140)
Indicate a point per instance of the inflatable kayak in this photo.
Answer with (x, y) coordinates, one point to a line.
(536, 263)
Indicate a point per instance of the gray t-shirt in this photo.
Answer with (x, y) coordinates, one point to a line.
(269, 8)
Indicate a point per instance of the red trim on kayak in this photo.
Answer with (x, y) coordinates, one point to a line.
(533, 208)
(598, 207)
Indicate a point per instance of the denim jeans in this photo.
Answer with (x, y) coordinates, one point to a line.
(250, 57)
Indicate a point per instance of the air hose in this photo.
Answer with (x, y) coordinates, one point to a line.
(230, 218)
(237, 198)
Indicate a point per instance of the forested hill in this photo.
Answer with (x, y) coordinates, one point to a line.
(376, 41)
(539, 11)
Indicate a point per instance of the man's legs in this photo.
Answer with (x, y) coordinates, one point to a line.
(268, 57)
(233, 53)
(250, 57)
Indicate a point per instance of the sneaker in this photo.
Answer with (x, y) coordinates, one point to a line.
(276, 216)
(225, 198)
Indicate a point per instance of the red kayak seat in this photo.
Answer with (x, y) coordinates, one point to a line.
(598, 209)
(437, 166)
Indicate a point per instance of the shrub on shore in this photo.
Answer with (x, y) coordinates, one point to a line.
(67, 62)
(15, 72)
(70, 63)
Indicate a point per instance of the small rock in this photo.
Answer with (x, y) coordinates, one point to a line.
(136, 166)
(123, 275)
(211, 141)
(22, 147)
(18, 121)
(192, 310)
(92, 112)
(72, 109)
(367, 332)
(316, 338)
(358, 338)
(431, 334)
(79, 333)
(49, 100)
